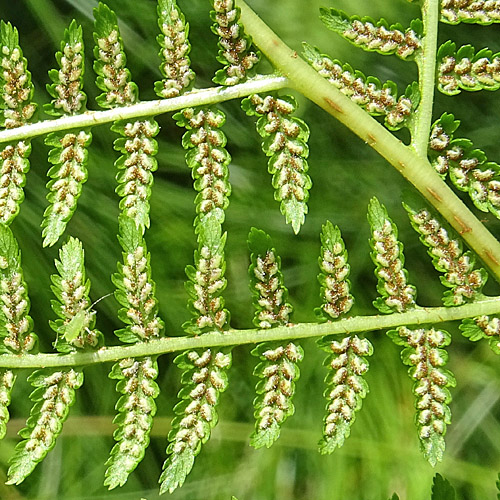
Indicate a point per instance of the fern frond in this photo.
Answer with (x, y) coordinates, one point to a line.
(375, 36)
(208, 159)
(136, 377)
(16, 109)
(469, 168)
(53, 395)
(346, 386)
(285, 142)
(234, 45)
(204, 378)
(75, 326)
(470, 11)
(448, 257)
(278, 369)
(423, 352)
(7, 380)
(368, 92)
(396, 295)
(466, 69)
(69, 154)
(174, 52)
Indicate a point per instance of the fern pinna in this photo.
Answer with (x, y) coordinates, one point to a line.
(425, 148)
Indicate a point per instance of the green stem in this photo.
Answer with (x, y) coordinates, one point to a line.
(146, 108)
(416, 169)
(417, 316)
(426, 62)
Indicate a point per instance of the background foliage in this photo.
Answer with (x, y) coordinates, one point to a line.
(382, 454)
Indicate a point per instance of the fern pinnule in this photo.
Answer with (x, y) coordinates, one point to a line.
(16, 325)
(346, 386)
(234, 45)
(16, 109)
(423, 352)
(335, 292)
(69, 154)
(469, 168)
(465, 282)
(285, 142)
(368, 92)
(136, 377)
(278, 368)
(75, 325)
(375, 36)
(175, 47)
(470, 11)
(466, 69)
(208, 159)
(483, 327)
(204, 375)
(395, 294)
(53, 395)
(137, 144)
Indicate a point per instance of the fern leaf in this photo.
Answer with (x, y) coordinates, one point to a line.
(368, 92)
(174, 52)
(278, 368)
(135, 287)
(75, 325)
(204, 375)
(442, 489)
(285, 142)
(423, 352)
(7, 380)
(136, 377)
(346, 387)
(234, 45)
(466, 69)
(396, 295)
(375, 36)
(136, 407)
(333, 278)
(53, 395)
(204, 378)
(69, 153)
(208, 159)
(470, 11)
(483, 327)
(16, 109)
(16, 325)
(138, 148)
(469, 168)
(465, 282)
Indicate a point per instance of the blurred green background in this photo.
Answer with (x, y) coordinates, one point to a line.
(382, 455)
